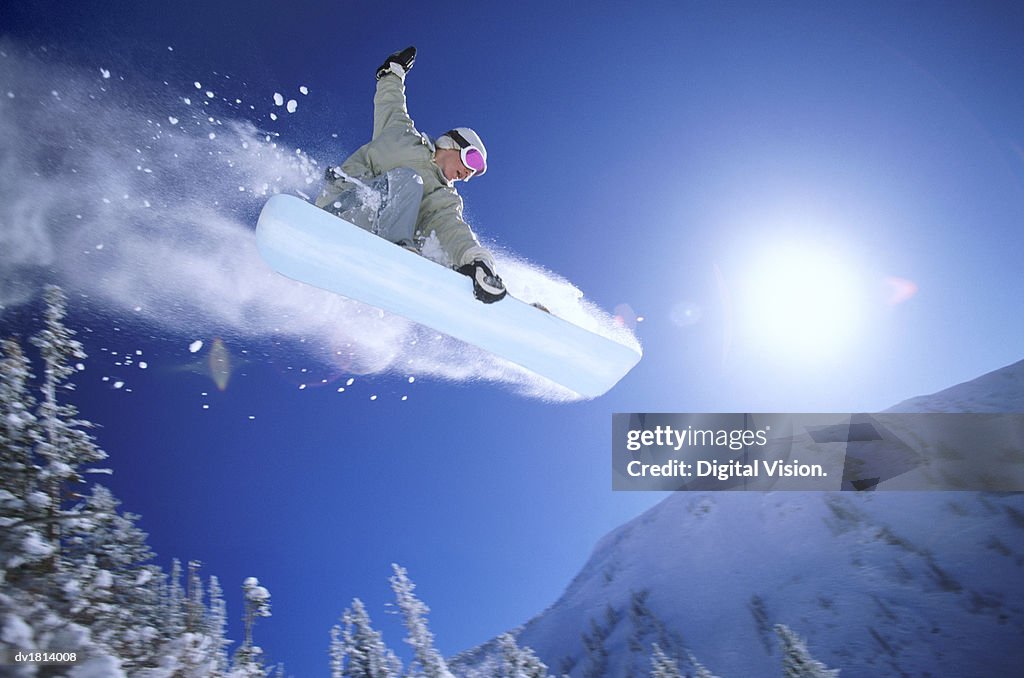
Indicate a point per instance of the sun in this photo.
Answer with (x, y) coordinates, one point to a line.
(802, 302)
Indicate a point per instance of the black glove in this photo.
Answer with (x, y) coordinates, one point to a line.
(406, 58)
(487, 286)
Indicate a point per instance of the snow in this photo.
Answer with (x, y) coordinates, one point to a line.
(34, 545)
(292, 105)
(103, 580)
(195, 346)
(278, 99)
(97, 667)
(37, 499)
(15, 632)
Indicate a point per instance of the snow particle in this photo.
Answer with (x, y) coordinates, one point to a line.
(198, 85)
(304, 89)
(118, 384)
(212, 136)
(195, 346)
(105, 73)
(143, 365)
(278, 99)
(171, 119)
(292, 105)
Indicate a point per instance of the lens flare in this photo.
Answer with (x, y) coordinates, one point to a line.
(686, 314)
(625, 316)
(899, 290)
(218, 362)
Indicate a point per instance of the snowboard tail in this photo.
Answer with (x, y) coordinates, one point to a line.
(308, 244)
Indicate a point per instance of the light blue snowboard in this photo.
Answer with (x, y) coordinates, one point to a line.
(310, 245)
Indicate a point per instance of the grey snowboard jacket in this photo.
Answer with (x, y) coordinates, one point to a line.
(397, 143)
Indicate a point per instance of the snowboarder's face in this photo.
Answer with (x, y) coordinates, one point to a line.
(450, 162)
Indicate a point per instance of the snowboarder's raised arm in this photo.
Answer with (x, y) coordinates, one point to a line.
(389, 106)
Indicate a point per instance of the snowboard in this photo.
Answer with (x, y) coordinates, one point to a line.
(305, 243)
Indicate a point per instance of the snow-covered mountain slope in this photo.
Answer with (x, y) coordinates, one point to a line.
(879, 583)
(999, 391)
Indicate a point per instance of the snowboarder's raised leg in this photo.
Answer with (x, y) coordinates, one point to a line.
(400, 206)
(387, 205)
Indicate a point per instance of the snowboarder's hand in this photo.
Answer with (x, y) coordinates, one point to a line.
(398, 63)
(487, 286)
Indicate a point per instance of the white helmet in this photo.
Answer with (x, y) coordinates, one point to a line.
(465, 140)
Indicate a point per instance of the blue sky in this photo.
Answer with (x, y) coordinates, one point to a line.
(756, 182)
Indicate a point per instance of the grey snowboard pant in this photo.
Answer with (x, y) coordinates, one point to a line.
(387, 205)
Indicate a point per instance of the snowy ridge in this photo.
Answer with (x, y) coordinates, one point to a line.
(1001, 390)
(879, 583)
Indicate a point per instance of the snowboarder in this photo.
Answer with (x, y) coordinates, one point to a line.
(400, 185)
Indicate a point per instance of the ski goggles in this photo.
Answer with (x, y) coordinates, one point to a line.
(472, 158)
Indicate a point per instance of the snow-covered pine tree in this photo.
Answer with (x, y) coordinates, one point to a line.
(648, 629)
(195, 609)
(414, 613)
(663, 666)
(597, 653)
(797, 661)
(24, 543)
(358, 650)
(121, 599)
(183, 652)
(518, 662)
(28, 616)
(249, 661)
(217, 623)
(174, 603)
(66, 445)
(699, 670)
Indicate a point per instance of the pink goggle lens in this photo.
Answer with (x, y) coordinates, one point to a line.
(474, 160)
